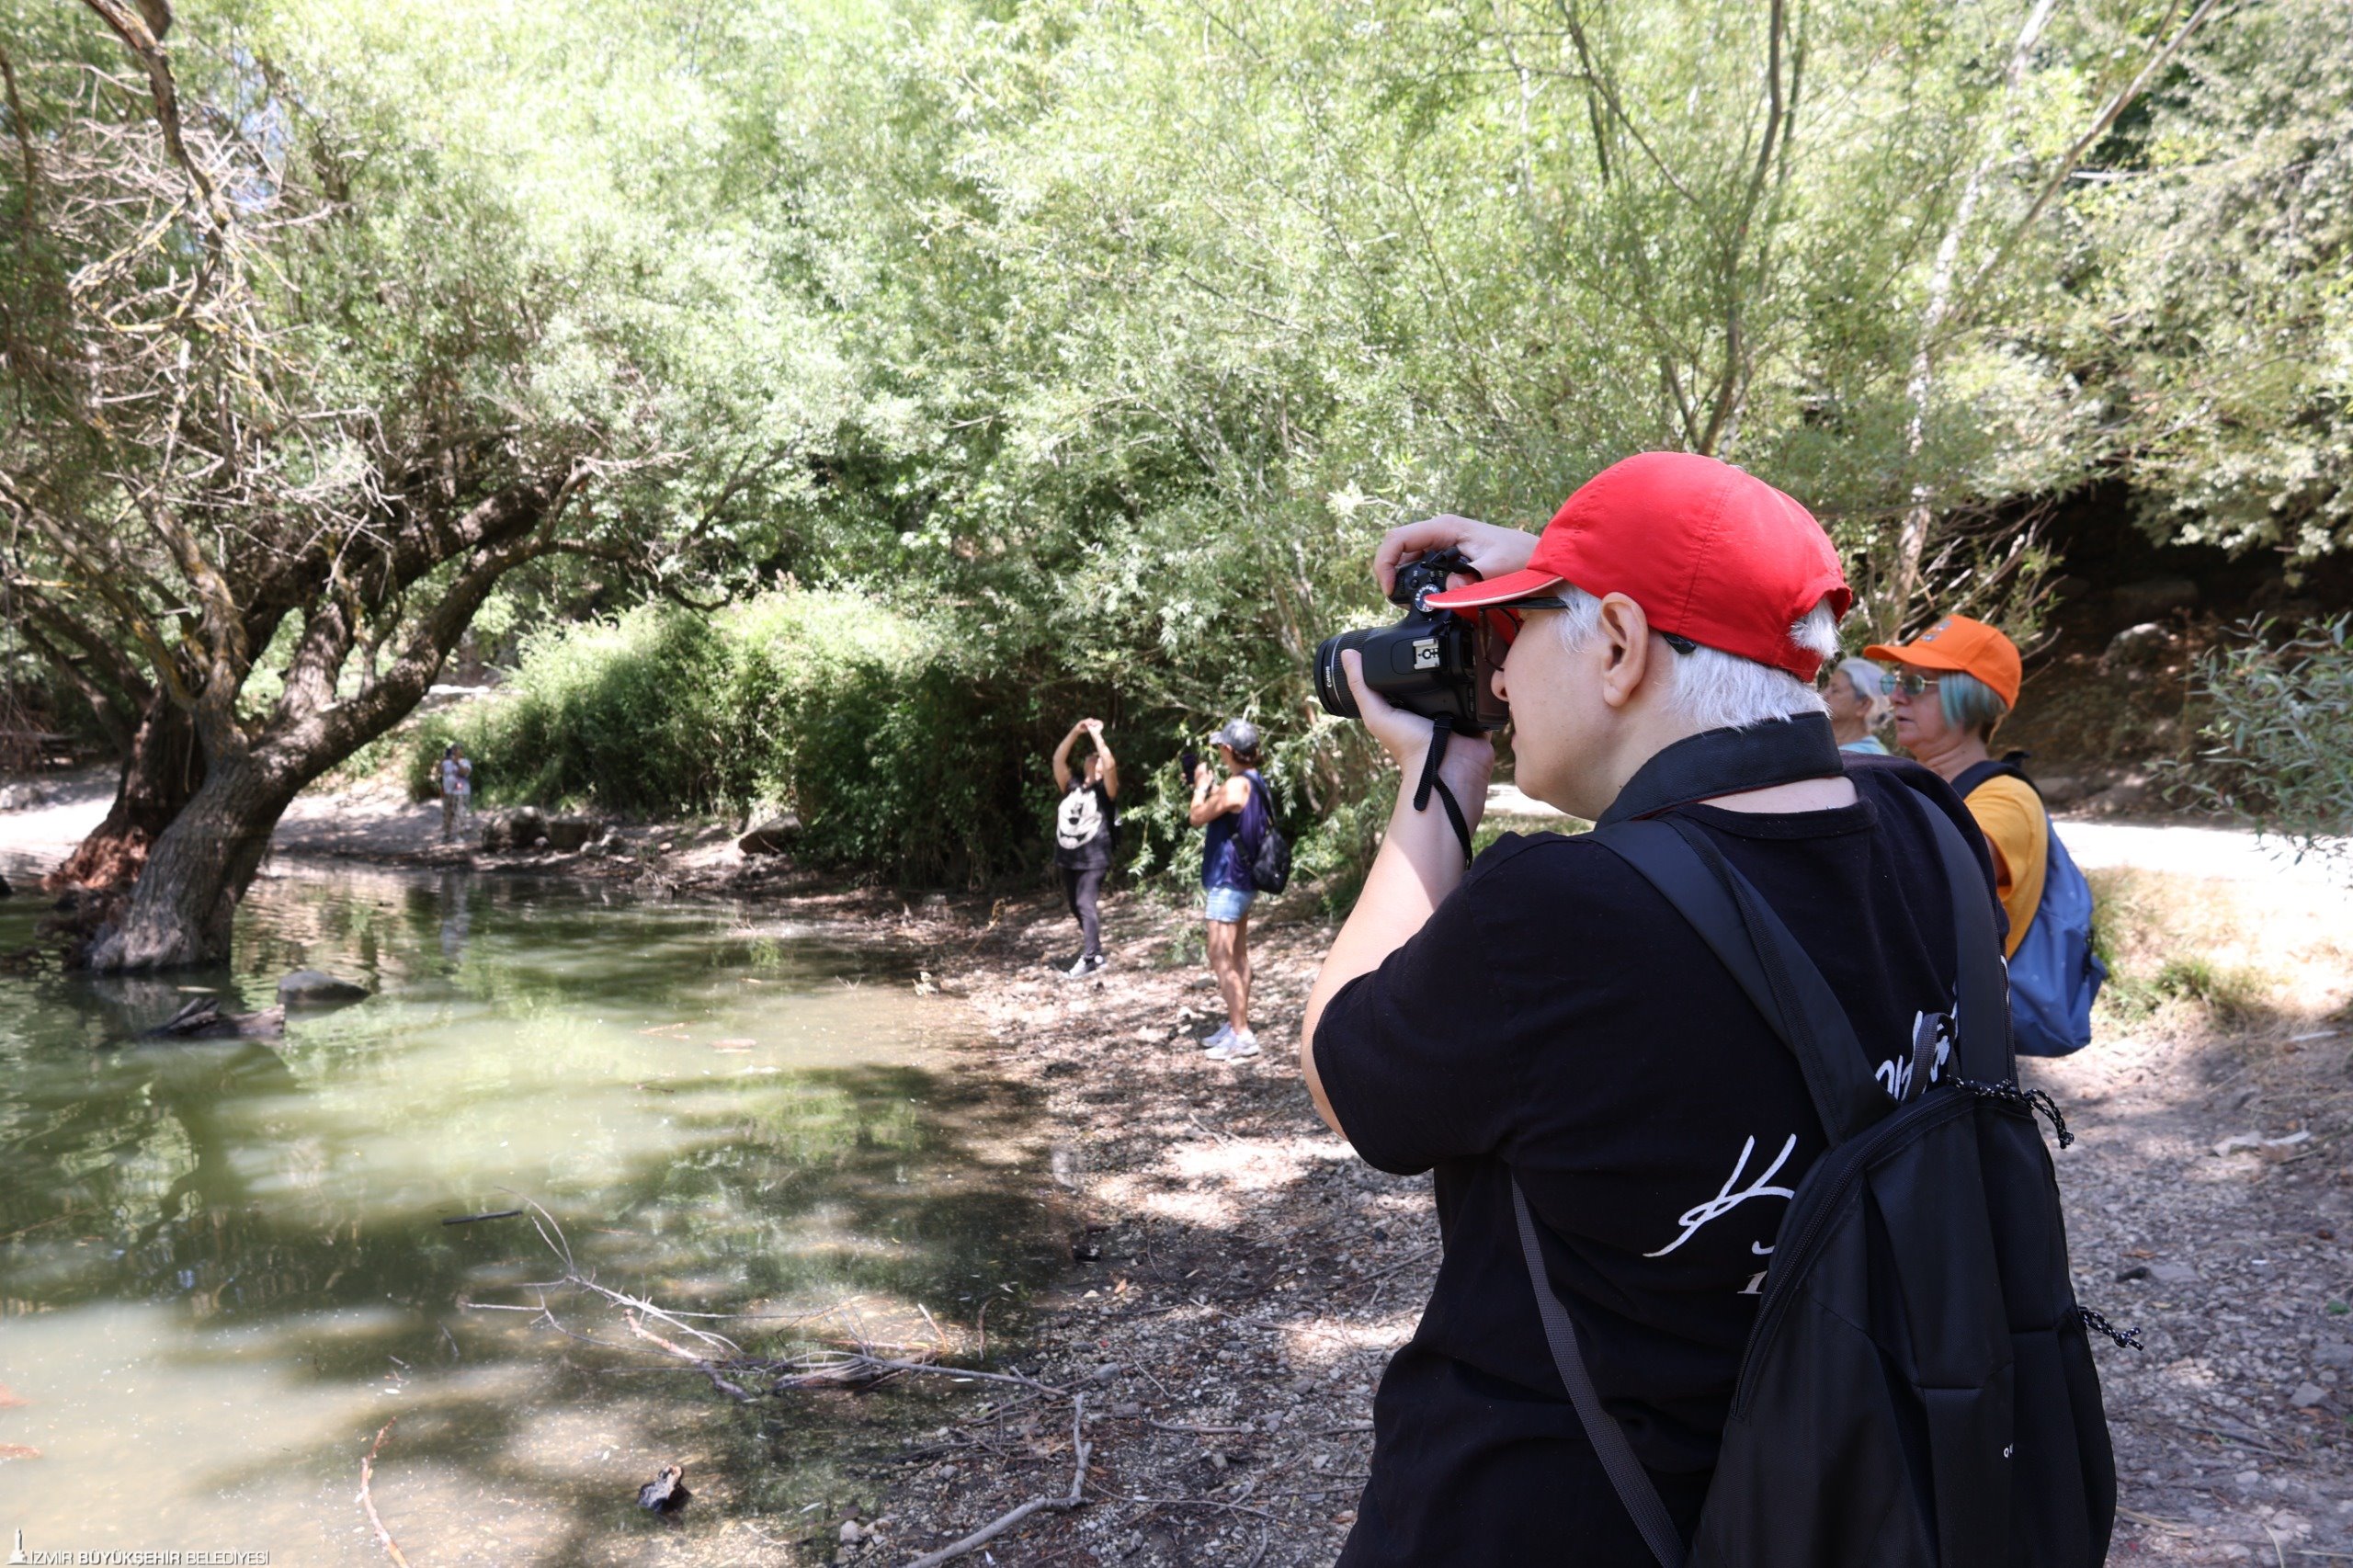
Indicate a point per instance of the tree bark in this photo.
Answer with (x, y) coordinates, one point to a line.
(160, 774)
(185, 904)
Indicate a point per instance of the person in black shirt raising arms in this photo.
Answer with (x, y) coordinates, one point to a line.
(1086, 819)
(1547, 1015)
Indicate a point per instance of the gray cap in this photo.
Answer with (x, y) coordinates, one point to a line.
(1239, 734)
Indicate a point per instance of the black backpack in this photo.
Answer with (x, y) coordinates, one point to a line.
(1918, 1389)
(1269, 858)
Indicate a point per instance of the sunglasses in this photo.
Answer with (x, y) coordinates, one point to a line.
(1910, 683)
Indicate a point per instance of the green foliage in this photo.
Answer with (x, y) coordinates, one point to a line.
(902, 758)
(2209, 275)
(1088, 349)
(2279, 724)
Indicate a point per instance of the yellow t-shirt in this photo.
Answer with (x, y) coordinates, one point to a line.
(2010, 814)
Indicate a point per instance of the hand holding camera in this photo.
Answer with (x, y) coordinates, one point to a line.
(1489, 550)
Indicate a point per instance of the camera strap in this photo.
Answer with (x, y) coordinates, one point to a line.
(1441, 730)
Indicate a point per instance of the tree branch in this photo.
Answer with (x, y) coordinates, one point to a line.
(2083, 145)
(23, 135)
(148, 51)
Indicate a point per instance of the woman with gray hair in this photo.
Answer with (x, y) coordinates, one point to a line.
(1856, 696)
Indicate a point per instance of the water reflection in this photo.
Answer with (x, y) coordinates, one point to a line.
(222, 1265)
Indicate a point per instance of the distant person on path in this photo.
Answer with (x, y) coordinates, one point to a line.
(1086, 821)
(1235, 812)
(457, 789)
(1856, 696)
(1957, 681)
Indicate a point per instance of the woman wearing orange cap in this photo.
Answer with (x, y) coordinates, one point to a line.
(1971, 673)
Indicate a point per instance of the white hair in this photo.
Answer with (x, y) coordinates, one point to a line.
(1870, 684)
(1711, 689)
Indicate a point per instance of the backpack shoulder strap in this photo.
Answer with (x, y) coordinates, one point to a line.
(1751, 942)
(1976, 773)
(1627, 1476)
(1983, 1051)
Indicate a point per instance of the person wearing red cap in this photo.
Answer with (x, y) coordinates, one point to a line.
(1544, 1017)
(1958, 680)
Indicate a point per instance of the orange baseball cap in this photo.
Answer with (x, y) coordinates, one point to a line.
(1957, 643)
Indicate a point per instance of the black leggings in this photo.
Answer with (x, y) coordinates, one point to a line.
(1083, 886)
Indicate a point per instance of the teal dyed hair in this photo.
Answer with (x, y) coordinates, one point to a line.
(1968, 703)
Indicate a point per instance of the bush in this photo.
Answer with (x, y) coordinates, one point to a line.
(900, 760)
(2279, 721)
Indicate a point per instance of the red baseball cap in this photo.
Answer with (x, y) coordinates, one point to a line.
(1709, 552)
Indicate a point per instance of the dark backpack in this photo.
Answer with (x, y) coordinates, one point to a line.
(1918, 1389)
(1265, 852)
(2055, 975)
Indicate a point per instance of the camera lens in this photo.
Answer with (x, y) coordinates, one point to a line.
(1331, 680)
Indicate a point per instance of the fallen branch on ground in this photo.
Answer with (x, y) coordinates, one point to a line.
(375, 1520)
(1005, 1521)
(855, 1364)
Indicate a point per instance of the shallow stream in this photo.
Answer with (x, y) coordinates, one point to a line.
(223, 1265)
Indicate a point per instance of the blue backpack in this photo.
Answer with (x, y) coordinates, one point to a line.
(2054, 975)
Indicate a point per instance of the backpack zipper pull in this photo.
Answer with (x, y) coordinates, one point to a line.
(2126, 1339)
(2033, 1099)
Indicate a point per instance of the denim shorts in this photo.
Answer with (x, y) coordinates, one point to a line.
(1228, 904)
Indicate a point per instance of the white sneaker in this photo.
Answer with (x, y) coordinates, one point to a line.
(1224, 1033)
(1234, 1050)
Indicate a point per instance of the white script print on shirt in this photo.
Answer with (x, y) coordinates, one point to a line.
(1896, 1073)
(1726, 1200)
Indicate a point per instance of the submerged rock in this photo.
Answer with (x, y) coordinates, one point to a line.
(203, 1019)
(314, 988)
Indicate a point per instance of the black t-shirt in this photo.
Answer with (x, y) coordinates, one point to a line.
(1084, 821)
(1557, 1014)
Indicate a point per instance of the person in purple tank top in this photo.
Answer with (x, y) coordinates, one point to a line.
(1235, 812)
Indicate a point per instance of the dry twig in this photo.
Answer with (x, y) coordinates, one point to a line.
(1005, 1521)
(375, 1520)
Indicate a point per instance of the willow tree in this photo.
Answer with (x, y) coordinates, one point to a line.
(291, 393)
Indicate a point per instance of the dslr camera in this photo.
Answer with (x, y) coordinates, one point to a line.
(1432, 662)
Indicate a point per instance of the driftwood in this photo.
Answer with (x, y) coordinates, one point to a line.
(1005, 1521)
(203, 1019)
(856, 1364)
(375, 1520)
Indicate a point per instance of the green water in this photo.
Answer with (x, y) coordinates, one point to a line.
(222, 1265)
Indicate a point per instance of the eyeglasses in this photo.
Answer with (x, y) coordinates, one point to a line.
(1504, 620)
(1910, 683)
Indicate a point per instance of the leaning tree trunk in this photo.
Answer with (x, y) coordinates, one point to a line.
(182, 910)
(160, 775)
